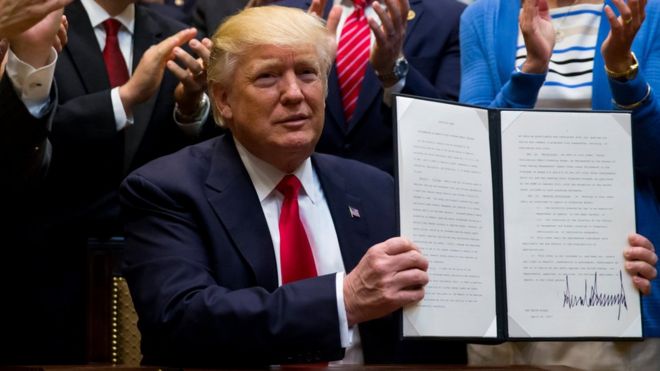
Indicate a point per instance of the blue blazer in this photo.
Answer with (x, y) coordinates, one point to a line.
(432, 49)
(489, 32)
(202, 271)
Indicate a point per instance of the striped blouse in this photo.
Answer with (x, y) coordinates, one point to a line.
(569, 80)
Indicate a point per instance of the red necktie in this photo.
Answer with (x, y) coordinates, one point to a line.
(296, 259)
(352, 57)
(115, 63)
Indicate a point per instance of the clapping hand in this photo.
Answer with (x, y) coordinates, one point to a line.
(623, 29)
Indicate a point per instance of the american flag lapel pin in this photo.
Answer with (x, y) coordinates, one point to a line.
(355, 213)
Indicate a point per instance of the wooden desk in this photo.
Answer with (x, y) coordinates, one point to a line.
(297, 368)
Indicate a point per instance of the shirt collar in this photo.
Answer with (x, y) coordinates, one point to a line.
(265, 176)
(98, 15)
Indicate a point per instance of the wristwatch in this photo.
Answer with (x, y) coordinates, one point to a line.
(629, 74)
(399, 71)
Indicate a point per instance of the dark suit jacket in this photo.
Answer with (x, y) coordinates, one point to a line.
(202, 272)
(431, 47)
(208, 14)
(42, 316)
(24, 153)
(43, 267)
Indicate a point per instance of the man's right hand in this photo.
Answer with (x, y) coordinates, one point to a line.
(16, 16)
(149, 73)
(391, 274)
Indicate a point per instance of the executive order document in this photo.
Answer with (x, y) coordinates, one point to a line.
(523, 216)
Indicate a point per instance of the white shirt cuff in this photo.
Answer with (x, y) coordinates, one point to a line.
(31, 84)
(394, 89)
(121, 119)
(345, 333)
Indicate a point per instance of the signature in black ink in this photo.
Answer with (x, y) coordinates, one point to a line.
(593, 298)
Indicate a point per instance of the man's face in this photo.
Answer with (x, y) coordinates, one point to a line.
(275, 104)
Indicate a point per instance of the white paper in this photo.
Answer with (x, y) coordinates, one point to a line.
(446, 208)
(568, 208)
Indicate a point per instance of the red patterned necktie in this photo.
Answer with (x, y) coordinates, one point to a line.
(115, 63)
(352, 57)
(296, 259)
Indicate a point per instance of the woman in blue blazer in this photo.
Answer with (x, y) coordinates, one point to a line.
(506, 53)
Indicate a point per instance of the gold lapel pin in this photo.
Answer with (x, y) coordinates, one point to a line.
(411, 15)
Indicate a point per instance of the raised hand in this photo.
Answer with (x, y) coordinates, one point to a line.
(149, 73)
(623, 29)
(192, 76)
(317, 7)
(539, 35)
(62, 37)
(16, 16)
(640, 262)
(390, 275)
(33, 46)
(390, 34)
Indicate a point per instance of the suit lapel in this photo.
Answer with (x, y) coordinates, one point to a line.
(333, 102)
(147, 33)
(83, 49)
(232, 196)
(352, 232)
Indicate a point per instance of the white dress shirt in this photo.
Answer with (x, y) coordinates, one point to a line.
(319, 227)
(32, 85)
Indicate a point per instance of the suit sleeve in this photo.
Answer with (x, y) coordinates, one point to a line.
(87, 119)
(24, 145)
(443, 79)
(477, 82)
(645, 117)
(188, 317)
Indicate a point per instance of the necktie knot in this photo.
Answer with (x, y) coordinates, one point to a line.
(359, 4)
(289, 186)
(111, 26)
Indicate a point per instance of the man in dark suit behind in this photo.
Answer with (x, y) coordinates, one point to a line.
(414, 50)
(103, 128)
(209, 232)
(44, 266)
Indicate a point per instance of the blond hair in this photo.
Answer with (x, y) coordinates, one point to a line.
(266, 25)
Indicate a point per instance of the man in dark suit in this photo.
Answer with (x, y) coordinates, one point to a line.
(27, 92)
(417, 53)
(250, 249)
(44, 265)
(229, 263)
(103, 129)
